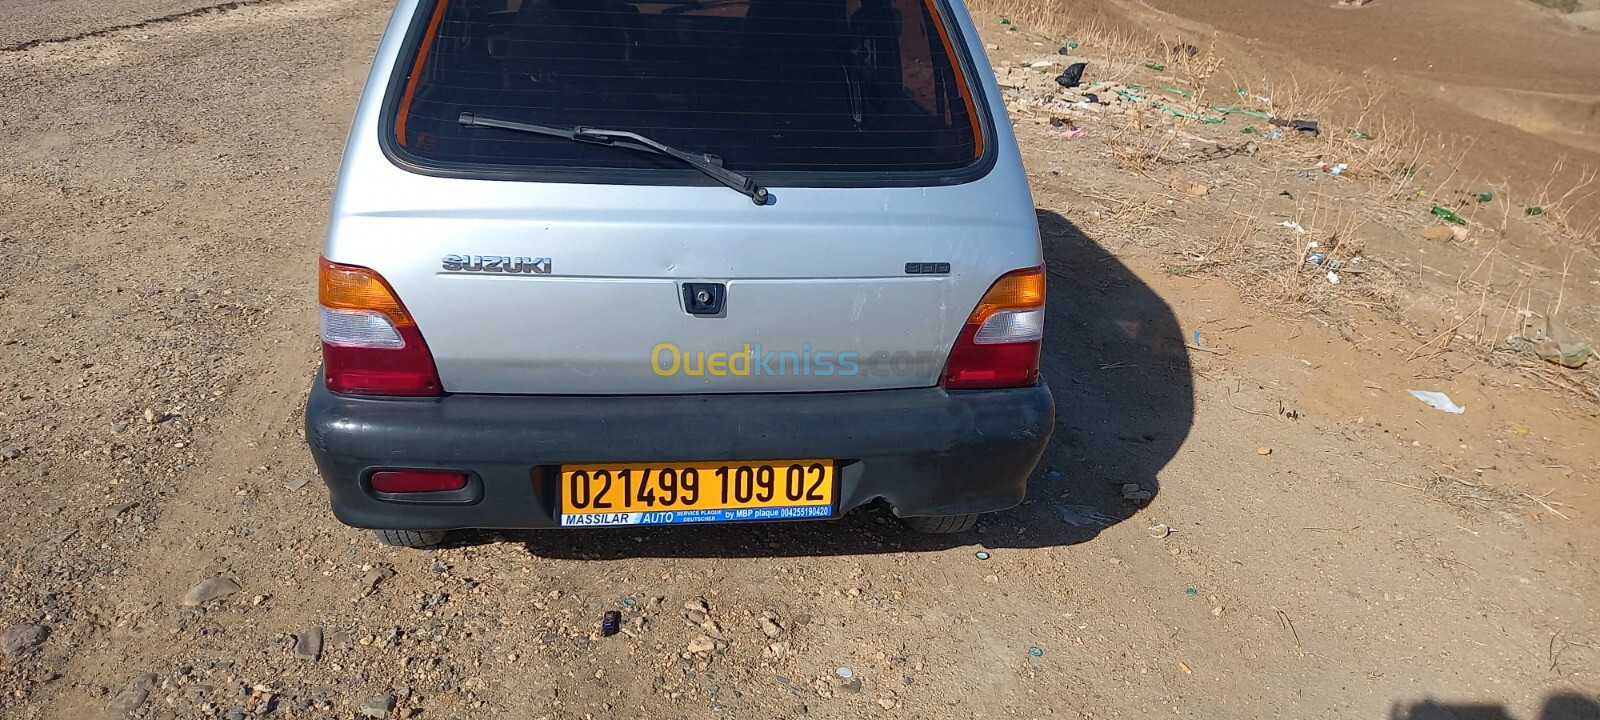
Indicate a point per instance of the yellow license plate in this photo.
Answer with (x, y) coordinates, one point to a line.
(680, 493)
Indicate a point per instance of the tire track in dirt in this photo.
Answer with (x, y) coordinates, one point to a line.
(103, 31)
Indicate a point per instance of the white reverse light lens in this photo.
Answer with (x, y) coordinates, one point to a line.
(1011, 326)
(360, 328)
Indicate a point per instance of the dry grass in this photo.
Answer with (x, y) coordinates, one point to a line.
(1397, 174)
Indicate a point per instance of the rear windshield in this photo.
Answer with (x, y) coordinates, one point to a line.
(838, 86)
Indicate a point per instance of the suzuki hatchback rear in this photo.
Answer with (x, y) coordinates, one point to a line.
(599, 262)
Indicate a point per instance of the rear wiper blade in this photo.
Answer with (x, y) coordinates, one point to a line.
(706, 163)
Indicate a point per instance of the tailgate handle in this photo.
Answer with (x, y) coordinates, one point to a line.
(704, 298)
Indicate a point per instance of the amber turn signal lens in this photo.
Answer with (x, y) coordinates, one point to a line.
(348, 287)
(1016, 290)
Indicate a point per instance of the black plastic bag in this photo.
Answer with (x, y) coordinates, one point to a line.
(1073, 76)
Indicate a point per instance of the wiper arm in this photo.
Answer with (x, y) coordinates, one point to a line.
(706, 163)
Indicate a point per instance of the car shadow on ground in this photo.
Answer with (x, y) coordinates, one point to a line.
(1114, 357)
(1560, 706)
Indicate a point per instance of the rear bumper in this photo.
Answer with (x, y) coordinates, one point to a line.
(925, 451)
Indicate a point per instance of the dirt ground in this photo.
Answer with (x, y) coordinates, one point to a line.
(1320, 544)
(1515, 79)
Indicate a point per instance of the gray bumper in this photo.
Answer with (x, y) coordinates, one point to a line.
(925, 451)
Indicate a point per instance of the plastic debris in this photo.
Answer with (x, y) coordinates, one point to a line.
(1191, 592)
(1338, 169)
(1229, 110)
(1449, 215)
(1535, 210)
(1552, 343)
(981, 555)
(1333, 278)
(1484, 197)
(1438, 401)
(1073, 76)
(1042, 63)
(845, 672)
(1067, 48)
(1359, 135)
(610, 623)
(1035, 652)
(1317, 258)
(1159, 530)
(628, 602)
(1307, 128)
(1292, 225)
(1158, 67)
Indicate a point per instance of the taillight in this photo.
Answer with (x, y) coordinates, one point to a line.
(999, 345)
(370, 344)
(414, 481)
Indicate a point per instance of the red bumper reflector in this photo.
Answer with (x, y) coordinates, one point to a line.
(415, 481)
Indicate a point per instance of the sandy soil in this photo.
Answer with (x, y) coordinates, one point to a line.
(1336, 549)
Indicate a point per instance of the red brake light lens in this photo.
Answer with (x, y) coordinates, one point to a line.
(1000, 343)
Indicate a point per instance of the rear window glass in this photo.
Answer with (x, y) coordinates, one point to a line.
(767, 85)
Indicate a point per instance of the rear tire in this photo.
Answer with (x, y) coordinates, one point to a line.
(410, 538)
(942, 524)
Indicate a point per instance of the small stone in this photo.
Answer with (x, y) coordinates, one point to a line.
(701, 644)
(369, 582)
(853, 685)
(308, 645)
(1438, 233)
(1134, 493)
(22, 637)
(377, 706)
(128, 700)
(114, 512)
(886, 703)
(1263, 450)
(694, 617)
(1189, 187)
(150, 416)
(297, 483)
(1216, 611)
(771, 628)
(211, 589)
(697, 604)
(10, 452)
(144, 681)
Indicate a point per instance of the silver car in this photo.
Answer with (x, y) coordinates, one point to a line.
(648, 262)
